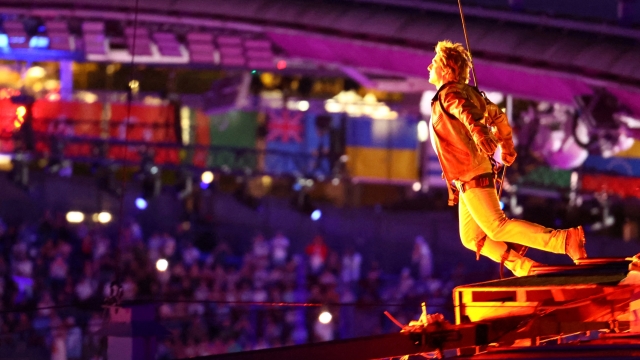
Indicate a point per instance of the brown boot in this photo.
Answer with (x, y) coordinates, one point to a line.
(536, 264)
(574, 244)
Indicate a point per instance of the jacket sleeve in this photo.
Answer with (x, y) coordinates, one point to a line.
(458, 104)
(499, 120)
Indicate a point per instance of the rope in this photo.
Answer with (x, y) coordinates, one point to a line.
(119, 274)
(466, 39)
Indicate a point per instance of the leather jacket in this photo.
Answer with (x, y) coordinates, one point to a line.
(458, 112)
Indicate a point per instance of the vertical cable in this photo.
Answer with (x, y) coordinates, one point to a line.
(466, 39)
(127, 121)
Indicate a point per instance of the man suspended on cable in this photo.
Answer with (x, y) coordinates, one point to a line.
(461, 122)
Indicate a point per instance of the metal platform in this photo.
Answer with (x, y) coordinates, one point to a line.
(589, 265)
(593, 281)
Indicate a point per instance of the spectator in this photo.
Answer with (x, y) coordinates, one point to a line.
(169, 248)
(59, 343)
(190, 255)
(74, 339)
(279, 249)
(154, 245)
(422, 259)
(351, 264)
(85, 288)
(317, 252)
(260, 249)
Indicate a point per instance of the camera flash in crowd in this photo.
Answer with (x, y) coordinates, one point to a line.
(325, 317)
(162, 265)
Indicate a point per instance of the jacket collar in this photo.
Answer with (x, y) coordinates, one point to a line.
(435, 97)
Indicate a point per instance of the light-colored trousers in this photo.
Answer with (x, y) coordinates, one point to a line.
(482, 220)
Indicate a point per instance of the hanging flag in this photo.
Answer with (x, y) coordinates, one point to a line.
(285, 126)
(151, 124)
(621, 186)
(200, 136)
(299, 144)
(68, 119)
(382, 150)
(231, 133)
(547, 177)
(626, 166)
(7, 115)
(7, 126)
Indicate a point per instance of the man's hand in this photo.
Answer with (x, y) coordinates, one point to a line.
(508, 156)
(485, 141)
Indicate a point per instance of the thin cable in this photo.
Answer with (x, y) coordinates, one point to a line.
(126, 137)
(99, 305)
(466, 39)
(504, 173)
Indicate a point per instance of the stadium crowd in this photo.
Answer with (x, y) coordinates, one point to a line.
(52, 275)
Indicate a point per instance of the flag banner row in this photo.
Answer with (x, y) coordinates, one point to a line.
(277, 141)
(74, 119)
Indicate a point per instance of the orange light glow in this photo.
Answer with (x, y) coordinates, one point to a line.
(6, 93)
(53, 96)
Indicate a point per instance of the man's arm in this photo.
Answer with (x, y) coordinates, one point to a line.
(505, 136)
(459, 105)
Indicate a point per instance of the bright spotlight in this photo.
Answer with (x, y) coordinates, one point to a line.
(303, 105)
(162, 265)
(104, 217)
(75, 217)
(153, 170)
(207, 177)
(141, 203)
(416, 186)
(325, 317)
(316, 215)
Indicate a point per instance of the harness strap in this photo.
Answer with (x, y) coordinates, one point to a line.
(479, 181)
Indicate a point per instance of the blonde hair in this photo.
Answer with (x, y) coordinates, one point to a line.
(454, 58)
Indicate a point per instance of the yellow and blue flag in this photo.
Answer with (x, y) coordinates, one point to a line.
(382, 150)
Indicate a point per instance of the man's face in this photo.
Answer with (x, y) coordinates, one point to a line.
(436, 75)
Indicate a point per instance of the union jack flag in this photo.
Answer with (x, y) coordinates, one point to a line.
(285, 125)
